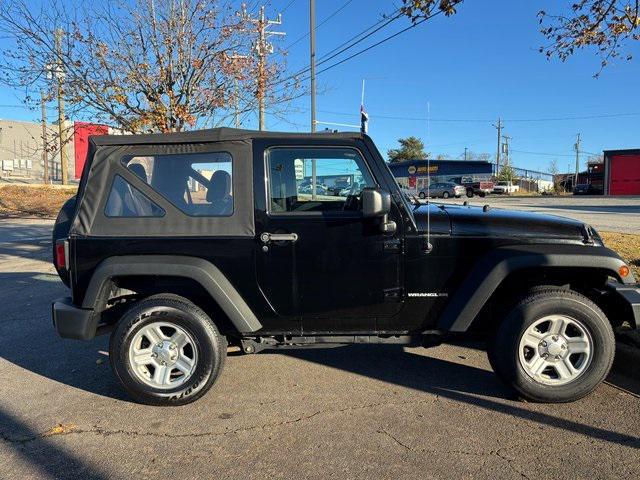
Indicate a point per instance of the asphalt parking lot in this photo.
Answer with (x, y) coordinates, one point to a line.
(351, 412)
(611, 214)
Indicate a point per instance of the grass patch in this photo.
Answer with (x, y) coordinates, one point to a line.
(40, 201)
(628, 247)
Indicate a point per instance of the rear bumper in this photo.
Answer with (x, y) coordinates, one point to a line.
(628, 299)
(73, 322)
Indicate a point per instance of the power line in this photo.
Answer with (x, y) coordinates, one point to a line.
(25, 107)
(477, 120)
(360, 52)
(385, 20)
(350, 43)
(586, 117)
(287, 6)
(298, 40)
(544, 153)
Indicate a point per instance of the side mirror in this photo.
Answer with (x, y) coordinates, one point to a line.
(375, 202)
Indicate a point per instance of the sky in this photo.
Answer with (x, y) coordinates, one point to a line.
(461, 73)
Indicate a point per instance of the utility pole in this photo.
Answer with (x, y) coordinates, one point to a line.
(312, 60)
(45, 157)
(499, 127)
(263, 48)
(465, 154)
(59, 74)
(507, 152)
(577, 148)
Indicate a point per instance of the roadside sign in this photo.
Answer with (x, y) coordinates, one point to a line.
(298, 165)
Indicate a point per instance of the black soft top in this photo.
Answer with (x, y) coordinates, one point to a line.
(105, 163)
(212, 135)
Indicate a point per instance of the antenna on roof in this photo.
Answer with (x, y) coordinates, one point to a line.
(429, 245)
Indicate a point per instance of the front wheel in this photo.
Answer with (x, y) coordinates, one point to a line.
(555, 346)
(166, 351)
(445, 195)
(422, 195)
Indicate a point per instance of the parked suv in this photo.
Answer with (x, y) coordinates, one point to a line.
(444, 190)
(179, 245)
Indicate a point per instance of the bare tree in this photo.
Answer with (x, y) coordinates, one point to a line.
(606, 25)
(471, 155)
(554, 171)
(139, 65)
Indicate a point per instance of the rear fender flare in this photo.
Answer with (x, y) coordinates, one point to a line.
(197, 269)
(491, 270)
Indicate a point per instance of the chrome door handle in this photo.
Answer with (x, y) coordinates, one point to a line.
(278, 237)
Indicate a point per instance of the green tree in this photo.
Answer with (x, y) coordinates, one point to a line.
(506, 174)
(603, 25)
(411, 148)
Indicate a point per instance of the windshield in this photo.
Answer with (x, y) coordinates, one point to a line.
(503, 184)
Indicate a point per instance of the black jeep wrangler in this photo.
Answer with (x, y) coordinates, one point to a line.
(182, 244)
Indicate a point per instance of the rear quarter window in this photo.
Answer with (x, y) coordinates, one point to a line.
(199, 184)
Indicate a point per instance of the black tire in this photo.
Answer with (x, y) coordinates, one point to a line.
(445, 195)
(504, 349)
(422, 195)
(169, 308)
(469, 192)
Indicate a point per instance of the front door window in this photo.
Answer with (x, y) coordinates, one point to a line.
(316, 179)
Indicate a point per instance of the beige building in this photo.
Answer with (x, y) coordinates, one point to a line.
(21, 147)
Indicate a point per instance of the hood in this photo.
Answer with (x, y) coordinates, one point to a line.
(439, 219)
(497, 222)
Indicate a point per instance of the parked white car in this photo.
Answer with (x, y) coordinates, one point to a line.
(505, 187)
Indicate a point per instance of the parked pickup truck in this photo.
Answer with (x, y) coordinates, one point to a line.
(473, 186)
(506, 188)
(180, 244)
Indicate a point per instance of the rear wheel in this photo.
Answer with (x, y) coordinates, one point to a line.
(166, 351)
(422, 195)
(470, 192)
(554, 346)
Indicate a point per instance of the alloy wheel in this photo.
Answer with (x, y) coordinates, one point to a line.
(163, 355)
(556, 350)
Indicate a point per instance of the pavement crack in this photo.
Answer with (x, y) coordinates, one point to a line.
(392, 437)
(509, 462)
(96, 430)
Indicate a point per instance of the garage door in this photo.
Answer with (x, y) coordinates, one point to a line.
(625, 175)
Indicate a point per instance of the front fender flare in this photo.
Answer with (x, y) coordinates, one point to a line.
(197, 269)
(489, 272)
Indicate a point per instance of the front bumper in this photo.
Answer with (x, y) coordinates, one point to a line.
(627, 301)
(73, 322)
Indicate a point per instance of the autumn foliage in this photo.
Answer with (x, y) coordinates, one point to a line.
(138, 65)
